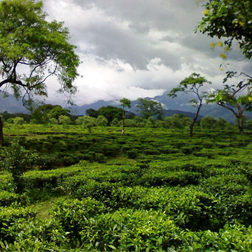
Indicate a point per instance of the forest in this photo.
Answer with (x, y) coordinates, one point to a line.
(114, 180)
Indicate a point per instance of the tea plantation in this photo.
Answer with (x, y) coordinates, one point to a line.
(147, 190)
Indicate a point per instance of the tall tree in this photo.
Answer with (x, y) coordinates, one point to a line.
(125, 103)
(233, 98)
(192, 84)
(150, 108)
(33, 49)
(231, 21)
(110, 113)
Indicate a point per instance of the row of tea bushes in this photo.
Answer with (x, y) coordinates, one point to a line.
(89, 225)
(66, 149)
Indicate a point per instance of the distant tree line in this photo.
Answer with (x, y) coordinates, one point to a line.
(117, 117)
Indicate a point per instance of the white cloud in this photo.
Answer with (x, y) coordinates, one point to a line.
(135, 48)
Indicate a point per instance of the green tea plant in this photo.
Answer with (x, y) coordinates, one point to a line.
(16, 161)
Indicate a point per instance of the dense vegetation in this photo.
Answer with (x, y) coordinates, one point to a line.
(78, 184)
(150, 189)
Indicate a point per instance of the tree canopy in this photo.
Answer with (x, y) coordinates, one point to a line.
(231, 21)
(192, 84)
(233, 98)
(150, 108)
(110, 113)
(33, 49)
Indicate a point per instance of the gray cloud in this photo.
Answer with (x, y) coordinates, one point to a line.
(139, 45)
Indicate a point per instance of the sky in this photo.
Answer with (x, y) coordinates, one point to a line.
(137, 48)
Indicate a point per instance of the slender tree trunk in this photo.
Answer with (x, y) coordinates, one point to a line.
(240, 124)
(123, 123)
(1, 132)
(195, 118)
(191, 128)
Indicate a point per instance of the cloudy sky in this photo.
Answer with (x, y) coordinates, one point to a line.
(137, 48)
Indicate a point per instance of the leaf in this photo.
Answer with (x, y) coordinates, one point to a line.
(112, 247)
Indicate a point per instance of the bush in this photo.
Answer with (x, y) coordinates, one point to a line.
(16, 161)
(35, 235)
(7, 198)
(188, 207)
(171, 178)
(74, 214)
(9, 216)
(130, 230)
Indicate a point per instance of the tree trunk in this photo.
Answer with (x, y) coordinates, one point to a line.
(191, 129)
(240, 125)
(1, 132)
(195, 118)
(123, 123)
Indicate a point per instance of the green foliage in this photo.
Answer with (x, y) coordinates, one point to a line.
(229, 21)
(228, 98)
(8, 218)
(73, 216)
(64, 120)
(150, 108)
(26, 38)
(208, 122)
(125, 103)
(130, 230)
(88, 122)
(158, 190)
(110, 113)
(53, 121)
(16, 161)
(192, 84)
(36, 235)
(101, 121)
(92, 112)
(58, 111)
(177, 121)
(18, 121)
(115, 122)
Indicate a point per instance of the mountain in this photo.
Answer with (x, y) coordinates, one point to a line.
(11, 104)
(178, 105)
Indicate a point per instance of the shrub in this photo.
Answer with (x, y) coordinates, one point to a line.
(74, 214)
(9, 216)
(16, 161)
(171, 178)
(130, 230)
(35, 235)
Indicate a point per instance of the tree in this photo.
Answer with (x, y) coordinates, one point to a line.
(110, 113)
(139, 121)
(101, 121)
(58, 111)
(150, 108)
(18, 121)
(150, 123)
(192, 84)
(33, 49)
(64, 120)
(125, 103)
(177, 121)
(89, 122)
(92, 112)
(115, 122)
(231, 21)
(229, 98)
(208, 122)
